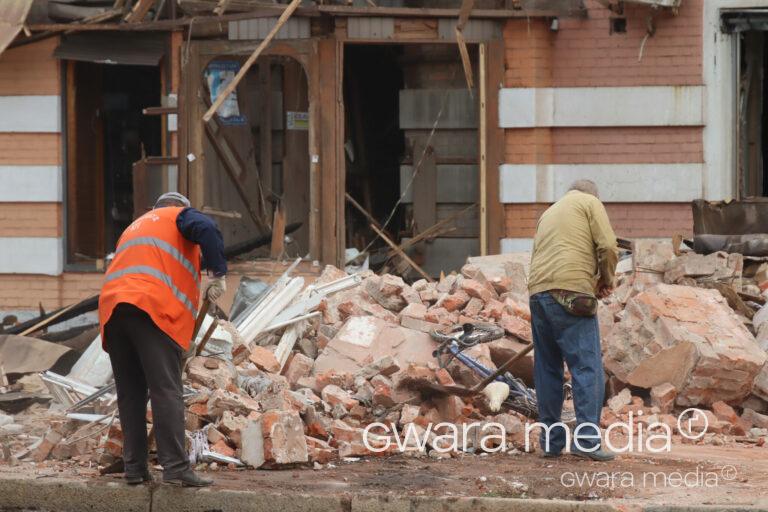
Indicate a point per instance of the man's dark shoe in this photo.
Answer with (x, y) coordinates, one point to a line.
(138, 478)
(188, 479)
(598, 455)
(550, 455)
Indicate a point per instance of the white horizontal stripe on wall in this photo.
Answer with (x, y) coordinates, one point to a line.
(33, 255)
(30, 183)
(621, 183)
(516, 245)
(30, 114)
(601, 106)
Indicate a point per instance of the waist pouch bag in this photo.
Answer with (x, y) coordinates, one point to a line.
(575, 303)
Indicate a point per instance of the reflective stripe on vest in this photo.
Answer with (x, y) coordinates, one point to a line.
(163, 246)
(165, 278)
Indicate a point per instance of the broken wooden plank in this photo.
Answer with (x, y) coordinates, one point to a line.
(226, 214)
(207, 336)
(431, 231)
(402, 254)
(51, 319)
(362, 210)
(482, 135)
(221, 7)
(248, 63)
(466, 63)
(139, 11)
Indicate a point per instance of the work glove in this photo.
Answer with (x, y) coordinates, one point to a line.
(496, 392)
(216, 288)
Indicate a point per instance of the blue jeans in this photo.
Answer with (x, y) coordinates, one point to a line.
(560, 336)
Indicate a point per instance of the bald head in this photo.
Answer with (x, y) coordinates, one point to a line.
(586, 186)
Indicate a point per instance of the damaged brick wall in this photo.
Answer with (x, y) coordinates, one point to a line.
(583, 52)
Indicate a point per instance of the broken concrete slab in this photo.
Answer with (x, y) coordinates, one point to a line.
(365, 338)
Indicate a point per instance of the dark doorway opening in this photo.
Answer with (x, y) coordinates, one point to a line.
(411, 147)
(374, 143)
(106, 133)
(753, 118)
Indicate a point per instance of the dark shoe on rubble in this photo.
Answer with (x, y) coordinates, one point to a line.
(550, 455)
(598, 455)
(188, 479)
(139, 478)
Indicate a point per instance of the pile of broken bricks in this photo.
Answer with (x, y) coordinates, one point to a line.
(680, 330)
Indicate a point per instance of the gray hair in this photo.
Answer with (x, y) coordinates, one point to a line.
(172, 199)
(586, 186)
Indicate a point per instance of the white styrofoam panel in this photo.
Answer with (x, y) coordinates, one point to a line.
(651, 183)
(509, 245)
(37, 114)
(31, 255)
(30, 183)
(601, 106)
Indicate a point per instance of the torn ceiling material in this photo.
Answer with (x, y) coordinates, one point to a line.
(13, 14)
(113, 48)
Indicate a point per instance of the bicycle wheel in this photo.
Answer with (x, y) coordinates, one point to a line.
(469, 334)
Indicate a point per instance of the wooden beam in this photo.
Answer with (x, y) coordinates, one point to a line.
(249, 62)
(464, 12)
(495, 145)
(482, 135)
(358, 207)
(139, 11)
(466, 63)
(315, 166)
(432, 231)
(226, 214)
(159, 111)
(330, 140)
(402, 254)
(221, 7)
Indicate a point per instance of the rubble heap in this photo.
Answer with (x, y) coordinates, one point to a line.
(303, 371)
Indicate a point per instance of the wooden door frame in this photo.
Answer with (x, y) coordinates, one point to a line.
(323, 173)
(323, 61)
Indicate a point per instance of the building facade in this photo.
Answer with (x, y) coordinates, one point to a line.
(643, 100)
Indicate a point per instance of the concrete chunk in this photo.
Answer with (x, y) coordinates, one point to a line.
(688, 337)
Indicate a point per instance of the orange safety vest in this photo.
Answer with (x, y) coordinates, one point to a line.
(157, 270)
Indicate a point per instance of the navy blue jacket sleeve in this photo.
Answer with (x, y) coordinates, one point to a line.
(202, 230)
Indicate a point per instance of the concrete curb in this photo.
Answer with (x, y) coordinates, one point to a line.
(56, 494)
(67, 495)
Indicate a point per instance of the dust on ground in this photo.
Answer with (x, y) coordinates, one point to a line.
(687, 475)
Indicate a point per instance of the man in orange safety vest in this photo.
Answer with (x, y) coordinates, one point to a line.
(147, 311)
